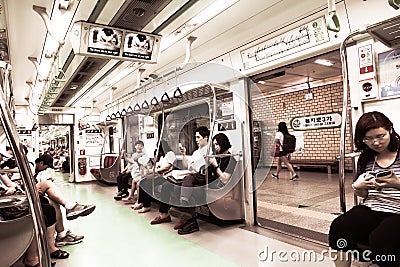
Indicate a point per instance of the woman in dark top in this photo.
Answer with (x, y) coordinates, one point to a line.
(221, 167)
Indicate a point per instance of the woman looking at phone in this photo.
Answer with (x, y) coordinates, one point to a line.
(375, 223)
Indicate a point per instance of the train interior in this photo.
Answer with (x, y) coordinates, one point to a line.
(88, 79)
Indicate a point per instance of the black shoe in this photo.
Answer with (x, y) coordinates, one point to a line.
(120, 195)
(189, 227)
(274, 175)
(294, 177)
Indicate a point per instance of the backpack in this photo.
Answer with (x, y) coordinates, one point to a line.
(289, 143)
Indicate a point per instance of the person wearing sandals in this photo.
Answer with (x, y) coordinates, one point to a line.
(283, 156)
(49, 194)
(133, 171)
(50, 219)
(138, 162)
(31, 257)
(166, 161)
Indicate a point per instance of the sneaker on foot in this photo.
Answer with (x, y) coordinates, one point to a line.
(79, 210)
(275, 176)
(68, 239)
(294, 177)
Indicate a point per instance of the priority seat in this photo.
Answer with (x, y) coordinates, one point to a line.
(109, 170)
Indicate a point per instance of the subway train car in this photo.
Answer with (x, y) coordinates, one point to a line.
(96, 95)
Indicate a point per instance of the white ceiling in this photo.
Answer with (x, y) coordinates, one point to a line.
(243, 22)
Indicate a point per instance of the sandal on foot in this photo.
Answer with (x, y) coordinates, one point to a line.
(59, 254)
(128, 200)
(137, 206)
(144, 209)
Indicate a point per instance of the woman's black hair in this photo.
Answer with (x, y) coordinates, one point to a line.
(283, 128)
(223, 142)
(373, 120)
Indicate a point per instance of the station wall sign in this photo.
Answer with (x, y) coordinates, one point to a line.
(328, 120)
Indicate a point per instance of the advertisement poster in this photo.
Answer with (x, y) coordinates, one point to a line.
(389, 73)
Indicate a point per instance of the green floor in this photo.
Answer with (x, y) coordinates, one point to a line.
(117, 236)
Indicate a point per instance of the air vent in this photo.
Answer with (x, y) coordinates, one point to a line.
(87, 69)
(387, 32)
(268, 76)
(135, 15)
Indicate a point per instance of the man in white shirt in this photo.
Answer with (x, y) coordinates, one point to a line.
(197, 163)
(46, 187)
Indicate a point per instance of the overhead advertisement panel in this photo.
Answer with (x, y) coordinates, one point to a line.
(97, 40)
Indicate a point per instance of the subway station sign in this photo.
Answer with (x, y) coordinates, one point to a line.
(329, 120)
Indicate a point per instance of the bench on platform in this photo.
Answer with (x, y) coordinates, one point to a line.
(315, 162)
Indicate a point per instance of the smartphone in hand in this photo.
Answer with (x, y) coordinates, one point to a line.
(383, 174)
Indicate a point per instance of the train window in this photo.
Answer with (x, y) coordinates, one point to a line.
(181, 124)
(132, 132)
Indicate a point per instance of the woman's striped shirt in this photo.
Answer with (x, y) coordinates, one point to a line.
(386, 199)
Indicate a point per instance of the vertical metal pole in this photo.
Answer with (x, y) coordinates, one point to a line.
(343, 55)
(26, 174)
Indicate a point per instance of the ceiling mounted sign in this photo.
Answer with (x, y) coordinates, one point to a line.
(329, 120)
(306, 36)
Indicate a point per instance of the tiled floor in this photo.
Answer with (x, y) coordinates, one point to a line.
(311, 202)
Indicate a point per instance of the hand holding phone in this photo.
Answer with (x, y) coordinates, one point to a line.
(383, 174)
(385, 178)
(182, 149)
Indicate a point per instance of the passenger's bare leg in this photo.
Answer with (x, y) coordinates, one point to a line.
(59, 217)
(288, 164)
(279, 167)
(137, 188)
(51, 230)
(133, 188)
(31, 254)
(49, 188)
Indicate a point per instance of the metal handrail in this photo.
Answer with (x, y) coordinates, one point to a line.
(11, 132)
(343, 55)
(224, 155)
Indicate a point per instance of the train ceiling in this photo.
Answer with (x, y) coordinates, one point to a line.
(26, 36)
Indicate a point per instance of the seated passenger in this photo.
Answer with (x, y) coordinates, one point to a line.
(50, 219)
(375, 222)
(31, 258)
(73, 210)
(134, 170)
(219, 171)
(47, 187)
(165, 163)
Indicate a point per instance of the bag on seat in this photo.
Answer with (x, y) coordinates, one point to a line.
(13, 207)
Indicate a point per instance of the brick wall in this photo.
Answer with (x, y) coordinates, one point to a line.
(320, 144)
